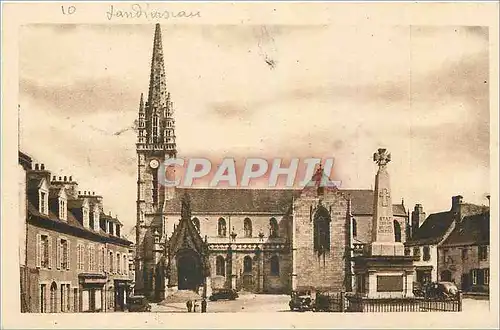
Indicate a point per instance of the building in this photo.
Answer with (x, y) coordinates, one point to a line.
(75, 259)
(259, 240)
(464, 255)
(429, 234)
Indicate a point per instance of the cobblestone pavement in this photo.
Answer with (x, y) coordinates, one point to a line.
(252, 303)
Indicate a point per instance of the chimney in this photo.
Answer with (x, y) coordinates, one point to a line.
(455, 202)
(60, 179)
(417, 218)
(36, 167)
(71, 178)
(65, 178)
(42, 167)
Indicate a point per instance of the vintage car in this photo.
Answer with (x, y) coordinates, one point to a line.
(221, 294)
(301, 301)
(441, 290)
(138, 304)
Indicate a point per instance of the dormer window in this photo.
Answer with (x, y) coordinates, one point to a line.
(62, 202)
(43, 198)
(118, 230)
(62, 209)
(43, 202)
(96, 218)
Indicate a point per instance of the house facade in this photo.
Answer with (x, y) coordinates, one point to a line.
(75, 259)
(465, 254)
(427, 237)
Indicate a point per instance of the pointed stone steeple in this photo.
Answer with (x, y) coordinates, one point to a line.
(141, 130)
(158, 110)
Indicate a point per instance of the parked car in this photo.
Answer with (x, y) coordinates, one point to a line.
(442, 290)
(138, 304)
(229, 294)
(301, 301)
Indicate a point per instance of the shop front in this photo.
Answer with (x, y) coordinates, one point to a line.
(122, 289)
(91, 292)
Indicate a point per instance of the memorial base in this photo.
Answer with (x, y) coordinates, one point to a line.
(384, 276)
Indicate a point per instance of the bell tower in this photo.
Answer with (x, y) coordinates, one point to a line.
(155, 143)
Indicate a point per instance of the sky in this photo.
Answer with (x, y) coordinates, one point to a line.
(265, 91)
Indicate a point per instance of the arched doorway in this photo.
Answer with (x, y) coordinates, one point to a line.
(53, 297)
(189, 270)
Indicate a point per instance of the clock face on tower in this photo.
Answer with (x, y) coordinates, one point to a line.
(153, 163)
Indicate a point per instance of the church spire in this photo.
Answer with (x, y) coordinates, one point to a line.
(158, 110)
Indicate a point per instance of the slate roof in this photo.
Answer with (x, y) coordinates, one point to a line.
(34, 183)
(472, 230)
(433, 229)
(263, 200)
(72, 222)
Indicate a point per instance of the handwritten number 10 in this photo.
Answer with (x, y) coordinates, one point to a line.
(69, 11)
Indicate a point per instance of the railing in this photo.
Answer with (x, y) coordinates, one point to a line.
(346, 302)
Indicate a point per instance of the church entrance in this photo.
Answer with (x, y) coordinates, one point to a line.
(189, 270)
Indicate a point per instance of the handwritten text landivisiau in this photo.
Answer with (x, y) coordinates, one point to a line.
(136, 11)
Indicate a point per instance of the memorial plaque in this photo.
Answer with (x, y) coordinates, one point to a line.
(390, 283)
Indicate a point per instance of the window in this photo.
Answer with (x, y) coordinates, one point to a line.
(196, 224)
(354, 228)
(63, 305)
(416, 252)
(92, 265)
(111, 268)
(464, 253)
(427, 253)
(474, 276)
(111, 228)
(322, 230)
(75, 300)
(62, 209)
(85, 212)
(43, 202)
(445, 255)
(155, 129)
(63, 254)
(102, 256)
(486, 276)
(397, 231)
(275, 266)
(45, 248)
(118, 230)
(118, 264)
(80, 257)
(220, 267)
(43, 302)
(483, 252)
(247, 264)
(273, 228)
(221, 227)
(125, 268)
(407, 251)
(247, 227)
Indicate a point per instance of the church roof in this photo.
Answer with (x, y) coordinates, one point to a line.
(473, 229)
(277, 201)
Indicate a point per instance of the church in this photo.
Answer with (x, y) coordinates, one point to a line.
(255, 240)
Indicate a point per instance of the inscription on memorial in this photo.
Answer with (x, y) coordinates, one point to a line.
(389, 283)
(385, 225)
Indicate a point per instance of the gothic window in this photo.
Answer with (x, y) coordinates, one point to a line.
(322, 230)
(354, 228)
(397, 231)
(247, 264)
(247, 226)
(273, 228)
(275, 266)
(196, 224)
(221, 227)
(220, 267)
(155, 187)
(155, 129)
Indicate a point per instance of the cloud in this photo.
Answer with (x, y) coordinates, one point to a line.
(335, 91)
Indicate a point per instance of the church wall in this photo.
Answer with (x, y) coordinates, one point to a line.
(326, 271)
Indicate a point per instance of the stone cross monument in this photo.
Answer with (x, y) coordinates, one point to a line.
(383, 240)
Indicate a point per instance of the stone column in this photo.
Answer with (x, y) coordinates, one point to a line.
(372, 284)
(383, 242)
(409, 274)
